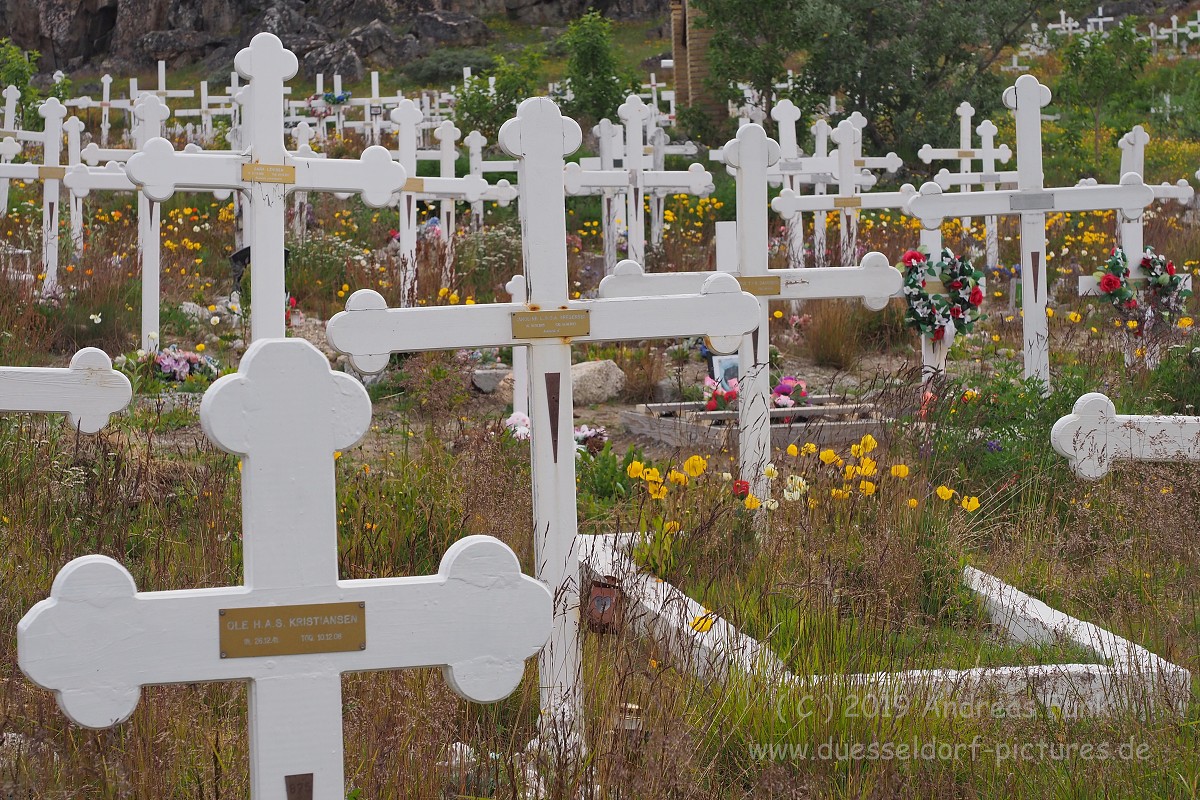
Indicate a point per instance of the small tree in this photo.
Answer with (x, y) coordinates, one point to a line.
(592, 70)
(17, 68)
(484, 109)
(1099, 69)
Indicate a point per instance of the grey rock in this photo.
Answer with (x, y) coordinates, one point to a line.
(287, 21)
(488, 380)
(667, 391)
(379, 47)
(178, 47)
(453, 28)
(335, 58)
(194, 311)
(596, 382)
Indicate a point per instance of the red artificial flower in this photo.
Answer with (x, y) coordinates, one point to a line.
(741, 488)
(1109, 283)
(1132, 303)
(956, 285)
(730, 396)
(711, 405)
(939, 334)
(976, 297)
(956, 312)
(1145, 262)
(1170, 267)
(912, 257)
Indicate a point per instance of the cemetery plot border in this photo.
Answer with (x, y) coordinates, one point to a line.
(1130, 676)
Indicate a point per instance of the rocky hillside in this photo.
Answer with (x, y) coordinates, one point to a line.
(344, 36)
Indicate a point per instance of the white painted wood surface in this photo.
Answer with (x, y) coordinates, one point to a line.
(159, 170)
(1031, 200)
(89, 391)
(540, 137)
(97, 640)
(1094, 435)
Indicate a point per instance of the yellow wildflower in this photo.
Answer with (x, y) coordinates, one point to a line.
(634, 470)
(695, 466)
(793, 451)
(945, 492)
(751, 502)
(866, 487)
(828, 456)
(899, 470)
(808, 449)
(912, 502)
(970, 503)
(677, 477)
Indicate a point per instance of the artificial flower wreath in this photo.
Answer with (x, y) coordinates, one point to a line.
(958, 306)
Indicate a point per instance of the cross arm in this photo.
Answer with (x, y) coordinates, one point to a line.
(1094, 435)
(89, 391)
(109, 178)
(789, 203)
(469, 187)
(374, 175)
(1130, 197)
(928, 154)
(947, 179)
(696, 180)
(97, 640)
(369, 332)
(159, 170)
(501, 192)
(577, 180)
(874, 281)
(1181, 190)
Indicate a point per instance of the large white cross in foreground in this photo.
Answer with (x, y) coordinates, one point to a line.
(1094, 435)
(1031, 200)
(88, 391)
(294, 627)
(752, 153)
(267, 173)
(547, 323)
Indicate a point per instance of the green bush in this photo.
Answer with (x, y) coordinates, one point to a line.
(481, 109)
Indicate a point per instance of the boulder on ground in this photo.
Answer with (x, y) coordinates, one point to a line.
(487, 380)
(379, 47)
(596, 382)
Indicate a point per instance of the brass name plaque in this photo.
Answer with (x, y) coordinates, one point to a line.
(4, 132)
(1031, 201)
(760, 285)
(847, 202)
(51, 173)
(934, 286)
(293, 630)
(414, 185)
(966, 154)
(860, 162)
(558, 324)
(269, 173)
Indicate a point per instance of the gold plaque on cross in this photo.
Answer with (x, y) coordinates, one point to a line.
(268, 173)
(860, 162)
(933, 286)
(51, 173)
(556, 324)
(847, 202)
(966, 153)
(760, 285)
(292, 630)
(414, 185)
(4, 132)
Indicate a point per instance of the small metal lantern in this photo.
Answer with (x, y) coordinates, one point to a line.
(605, 605)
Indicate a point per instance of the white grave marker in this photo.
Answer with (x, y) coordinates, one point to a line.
(547, 323)
(294, 627)
(1094, 435)
(752, 153)
(89, 391)
(1031, 200)
(267, 173)
(50, 172)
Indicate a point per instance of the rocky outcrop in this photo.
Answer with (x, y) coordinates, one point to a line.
(129, 34)
(335, 58)
(453, 28)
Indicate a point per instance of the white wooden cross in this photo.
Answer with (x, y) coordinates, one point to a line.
(293, 628)
(9, 146)
(73, 128)
(502, 192)
(374, 108)
(209, 107)
(600, 176)
(105, 104)
(1031, 200)
(965, 154)
(1173, 32)
(1067, 26)
(1094, 435)
(89, 391)
(50, 172)
(162, 90)
(659, 145)
(752, 153)
(547, 323)
(696, 180)
(1015, 66)
(848, 201)
(1097, 23)
(267, 173)
(150, 112)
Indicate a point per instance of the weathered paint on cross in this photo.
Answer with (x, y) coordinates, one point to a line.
(267, 173)
(1094, 435)
(540, 138)
(97, 640)
(1030, 200)
(89, 391)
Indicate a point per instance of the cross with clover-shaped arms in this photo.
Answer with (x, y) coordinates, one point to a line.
(502, 192)
(1031, 200)
(752, 153)
(547, 323)
(1094, 435)
(848, 201)
(266, 172)
(293, 628)
(88, 391)
(50, 172)
(9, 146)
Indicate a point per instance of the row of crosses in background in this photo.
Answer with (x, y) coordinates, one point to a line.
(1039, 42)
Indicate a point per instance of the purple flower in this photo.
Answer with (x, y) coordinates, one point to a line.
(994, 446)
